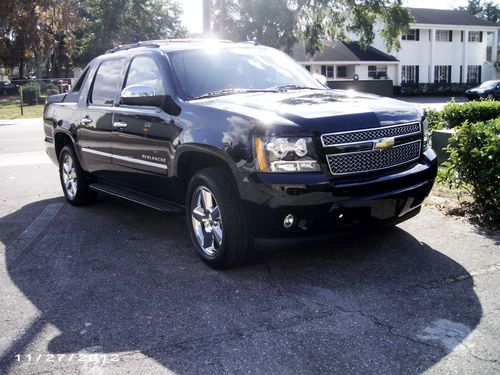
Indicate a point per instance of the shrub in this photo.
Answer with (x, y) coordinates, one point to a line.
(434, 118)
(455, 114)
(474, 164)
(31, 92)
(432, 89)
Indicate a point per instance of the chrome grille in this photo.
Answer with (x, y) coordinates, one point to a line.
(366, 161)
(332, 139)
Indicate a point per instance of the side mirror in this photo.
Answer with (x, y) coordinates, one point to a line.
(320, 78)
(144, 95)
(140, 95)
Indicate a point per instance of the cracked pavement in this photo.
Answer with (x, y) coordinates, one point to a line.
(115, 288)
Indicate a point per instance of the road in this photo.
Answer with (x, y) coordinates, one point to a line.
(433, 102)
(114, 288)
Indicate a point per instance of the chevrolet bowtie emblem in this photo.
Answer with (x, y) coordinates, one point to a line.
(384, 144)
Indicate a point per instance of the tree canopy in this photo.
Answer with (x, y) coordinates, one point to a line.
(487, 10)
(280, 23)
(109, 23)
(60, 34)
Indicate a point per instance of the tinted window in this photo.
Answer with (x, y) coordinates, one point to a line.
(144, 71)
(201, 71)
(80, 81)
(106, 82)
(488, 84)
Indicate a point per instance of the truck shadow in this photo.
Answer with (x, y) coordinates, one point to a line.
(117, 278)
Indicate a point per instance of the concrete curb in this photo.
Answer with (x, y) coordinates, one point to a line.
(20, 121)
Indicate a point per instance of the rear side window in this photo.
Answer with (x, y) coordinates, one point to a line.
(106, 81)
(144, 71)
(80, 81)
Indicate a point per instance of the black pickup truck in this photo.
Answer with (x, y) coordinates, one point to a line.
(248, 143)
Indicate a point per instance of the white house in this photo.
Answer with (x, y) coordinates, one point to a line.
(446, 46)
(342, 61)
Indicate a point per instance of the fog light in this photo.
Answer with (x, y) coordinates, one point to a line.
(289, 221)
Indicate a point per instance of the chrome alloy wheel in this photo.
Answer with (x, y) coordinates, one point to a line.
(206, 220)
(69, 176)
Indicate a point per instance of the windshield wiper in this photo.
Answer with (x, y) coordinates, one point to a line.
(222, 92)
(294, 87)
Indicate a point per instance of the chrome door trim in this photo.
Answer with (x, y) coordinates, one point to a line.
(125, 158)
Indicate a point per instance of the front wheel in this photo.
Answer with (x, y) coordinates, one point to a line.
(73, 179)
(216, 223)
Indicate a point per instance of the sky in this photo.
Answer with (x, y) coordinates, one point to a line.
(192, 16)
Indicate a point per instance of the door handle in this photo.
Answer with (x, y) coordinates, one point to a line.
(86, 120)
(119, 124)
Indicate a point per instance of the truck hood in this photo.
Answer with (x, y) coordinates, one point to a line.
(318, 110)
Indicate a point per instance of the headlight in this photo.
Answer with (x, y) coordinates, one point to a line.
(426, 135)
(290, 154)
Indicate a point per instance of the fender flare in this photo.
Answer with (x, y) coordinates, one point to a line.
(67, 130)
(199, 148)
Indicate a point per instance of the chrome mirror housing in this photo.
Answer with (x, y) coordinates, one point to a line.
(145, 96)
(138, 91)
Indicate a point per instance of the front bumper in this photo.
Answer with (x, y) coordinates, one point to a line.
(326, 207)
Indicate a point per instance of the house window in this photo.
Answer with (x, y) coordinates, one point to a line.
(409, 74)
(307, 67)
(377, 71)
(413, 34)
(475, 36)
(474, 74)
(327, 71)
(444, 35)
(342, 71)
(442, 74)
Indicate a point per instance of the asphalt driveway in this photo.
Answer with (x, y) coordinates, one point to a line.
(114, 288)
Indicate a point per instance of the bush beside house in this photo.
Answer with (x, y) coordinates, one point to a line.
(475, 163)
(432, 89)
(31, 93)
(473, 152)
(453, 115)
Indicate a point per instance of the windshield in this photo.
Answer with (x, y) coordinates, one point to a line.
(488, 85)
(204, 71)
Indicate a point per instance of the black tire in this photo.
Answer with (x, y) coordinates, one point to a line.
(236, 247)
(77, 193)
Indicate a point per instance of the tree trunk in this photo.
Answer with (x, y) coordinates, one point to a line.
(38, 65)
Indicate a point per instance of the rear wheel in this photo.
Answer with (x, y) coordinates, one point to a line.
(216, 223)
(73, 179)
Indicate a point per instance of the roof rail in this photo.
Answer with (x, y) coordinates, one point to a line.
(190, 40)
(155, 43)
(133, 45)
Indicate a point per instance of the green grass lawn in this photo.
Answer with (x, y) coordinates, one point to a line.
(12, 110)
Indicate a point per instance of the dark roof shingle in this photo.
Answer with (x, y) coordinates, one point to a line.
(342, 51)
(448, 17)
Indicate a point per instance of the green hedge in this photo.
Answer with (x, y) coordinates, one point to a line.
(475, 163)
(31, 93)
(453, 115)
(434, 118)
(432, 89)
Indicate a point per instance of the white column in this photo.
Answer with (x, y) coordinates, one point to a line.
(432, 56)
(494, 47)
(397, 74)
(465, 56)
